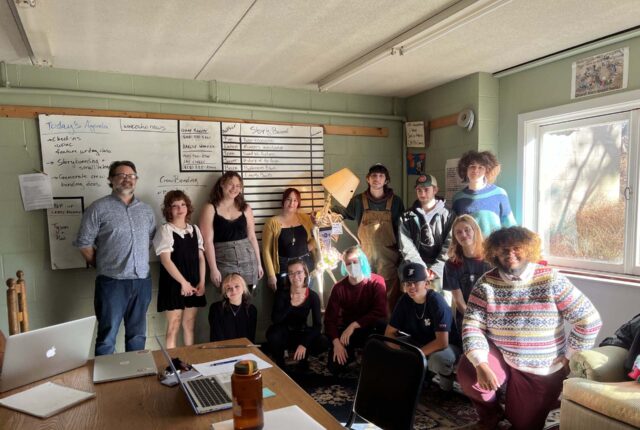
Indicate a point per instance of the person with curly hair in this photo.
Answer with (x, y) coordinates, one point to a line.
(513, 332)
(487, 203)
(229, 233)
(182, 270)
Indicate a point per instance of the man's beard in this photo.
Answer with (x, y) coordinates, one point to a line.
(512, 271)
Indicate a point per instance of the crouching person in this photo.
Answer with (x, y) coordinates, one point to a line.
(425, 316)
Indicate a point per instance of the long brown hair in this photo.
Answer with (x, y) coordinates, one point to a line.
(455, 252)
(217, 194)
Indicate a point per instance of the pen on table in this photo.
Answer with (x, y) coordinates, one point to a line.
(251, 345)
(223, 362)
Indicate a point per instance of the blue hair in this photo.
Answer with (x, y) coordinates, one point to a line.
(362, 259)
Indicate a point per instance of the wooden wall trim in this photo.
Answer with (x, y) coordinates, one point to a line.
(34, 111)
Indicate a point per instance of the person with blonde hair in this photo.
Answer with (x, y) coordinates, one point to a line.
(233, 316)
(465, 264)
(513, 333)
(487, 203)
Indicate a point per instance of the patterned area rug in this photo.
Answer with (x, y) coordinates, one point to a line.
(336, 395)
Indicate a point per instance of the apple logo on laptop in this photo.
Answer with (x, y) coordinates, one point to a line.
(51, 352)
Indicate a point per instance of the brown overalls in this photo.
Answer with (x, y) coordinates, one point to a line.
(379, 244)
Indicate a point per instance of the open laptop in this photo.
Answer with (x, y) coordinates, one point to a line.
(205, 393)
(132, 364)
(45, 352)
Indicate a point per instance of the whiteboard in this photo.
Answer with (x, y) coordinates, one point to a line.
(171, 154)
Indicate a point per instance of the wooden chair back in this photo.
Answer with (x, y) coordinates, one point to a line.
(17, 304)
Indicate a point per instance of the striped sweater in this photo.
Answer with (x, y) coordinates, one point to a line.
(525, 320)
(489, 207)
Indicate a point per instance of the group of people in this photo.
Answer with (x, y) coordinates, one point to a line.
(504, 325)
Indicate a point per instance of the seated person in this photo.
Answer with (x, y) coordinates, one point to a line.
(233, 316)
(513, 332)
(357, 308)
(465, 264)
(291, 308)
(627, 337)
(423, 313)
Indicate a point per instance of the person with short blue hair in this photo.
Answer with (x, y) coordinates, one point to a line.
(357, 307)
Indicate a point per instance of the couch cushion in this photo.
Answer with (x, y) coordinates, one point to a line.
(618, 400)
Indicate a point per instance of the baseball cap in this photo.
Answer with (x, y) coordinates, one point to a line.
(426, 181)
(414, 272)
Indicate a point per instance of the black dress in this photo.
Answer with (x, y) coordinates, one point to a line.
(185, 256)
(228, 321)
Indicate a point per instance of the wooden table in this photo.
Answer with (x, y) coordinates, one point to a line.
(142, 403)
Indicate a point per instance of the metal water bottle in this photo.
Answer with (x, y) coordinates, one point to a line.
(246, 388)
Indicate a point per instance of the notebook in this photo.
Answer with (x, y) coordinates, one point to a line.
(46, 399)
(290, 417)
(45, 352)
(125, 365)
(204, 393)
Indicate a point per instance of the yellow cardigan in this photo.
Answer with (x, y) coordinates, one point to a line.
(270, 235)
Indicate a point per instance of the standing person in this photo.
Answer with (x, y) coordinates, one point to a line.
(357, 308)
(423, 314)
(286, 237)
(487, 203)
(377, 211)
(233, 316)
(228, 229)
(465, 264)
(514, 332)
(291, 309)
(423, 230)
(182, 272)
(114, 237)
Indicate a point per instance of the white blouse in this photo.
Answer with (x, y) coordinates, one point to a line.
(163, 240)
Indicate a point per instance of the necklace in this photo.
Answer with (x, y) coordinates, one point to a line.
(232, 311)
(424, 308)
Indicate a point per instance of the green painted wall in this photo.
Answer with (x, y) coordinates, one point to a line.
(56, 296)
(539, 88)
(479, 92)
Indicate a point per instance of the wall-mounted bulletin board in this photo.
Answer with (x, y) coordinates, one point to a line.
(172, 154)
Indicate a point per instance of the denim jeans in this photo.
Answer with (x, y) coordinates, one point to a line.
(118, 299)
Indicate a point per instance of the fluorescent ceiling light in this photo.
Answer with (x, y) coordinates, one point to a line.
(433, 28)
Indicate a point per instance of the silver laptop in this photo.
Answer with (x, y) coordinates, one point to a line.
(205, 393)
(132, 364)
(45, 352)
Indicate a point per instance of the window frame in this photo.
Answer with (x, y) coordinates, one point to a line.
(529, 135)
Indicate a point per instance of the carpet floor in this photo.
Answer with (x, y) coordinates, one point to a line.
(336, 395)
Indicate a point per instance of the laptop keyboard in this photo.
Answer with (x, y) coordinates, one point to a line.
(208, 392)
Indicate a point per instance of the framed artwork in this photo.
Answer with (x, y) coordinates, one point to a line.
(600, 73)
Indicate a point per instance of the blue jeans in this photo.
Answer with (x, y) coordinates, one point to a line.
(118, 299)
(443, 362)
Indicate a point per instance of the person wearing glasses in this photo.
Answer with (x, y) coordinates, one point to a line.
(357, 308)
(114, 237)
(425, 316)
(291, 308)
(514, 333)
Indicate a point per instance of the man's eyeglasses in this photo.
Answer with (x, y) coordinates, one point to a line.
(125, 176)
(297, 273)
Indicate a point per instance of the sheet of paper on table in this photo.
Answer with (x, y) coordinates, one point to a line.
(225, 365)
(290, 417)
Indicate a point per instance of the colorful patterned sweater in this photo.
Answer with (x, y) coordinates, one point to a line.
(489, 207)
(525, 320)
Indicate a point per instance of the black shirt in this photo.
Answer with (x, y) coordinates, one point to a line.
(228, 321)
(295, 317)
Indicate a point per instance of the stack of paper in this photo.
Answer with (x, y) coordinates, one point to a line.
(46, 399)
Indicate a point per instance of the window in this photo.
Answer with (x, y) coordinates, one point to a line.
(581, 184)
